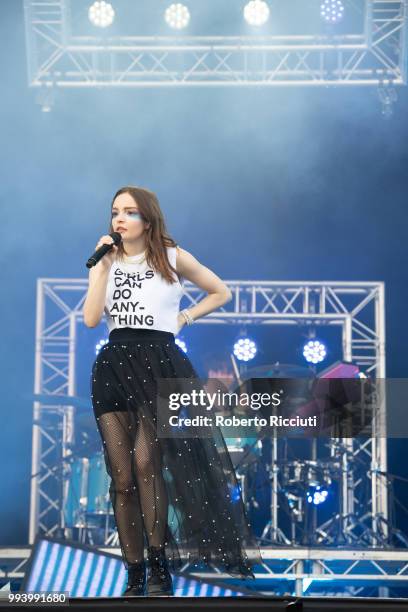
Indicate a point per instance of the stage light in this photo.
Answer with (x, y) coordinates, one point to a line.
(256, 12)
(235, 492)
(177, 16)
(332, 10)
(181, 344)
(314, 351)
(317, 495)
(100, 344)
(245, 349)
(101, 14)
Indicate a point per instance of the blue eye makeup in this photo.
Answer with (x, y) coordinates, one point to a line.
(133, 214)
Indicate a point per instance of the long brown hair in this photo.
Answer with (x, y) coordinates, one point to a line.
(157, 238)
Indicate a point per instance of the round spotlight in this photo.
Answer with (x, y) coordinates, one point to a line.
(100, 344)
(317, 495)
(314, 351)
(181, 344)
(235, 493)
(332, 10)
(245, 349)
(177, 16)
(101, 14)
(256, 12)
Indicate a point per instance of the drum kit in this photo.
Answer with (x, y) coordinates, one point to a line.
(299, 479)
(295, 482)
(86, 504)
(305, 484)
(87, 491)
(87, 511)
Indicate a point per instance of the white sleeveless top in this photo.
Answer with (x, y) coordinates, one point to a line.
(137, 296)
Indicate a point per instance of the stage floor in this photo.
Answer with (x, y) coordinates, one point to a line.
(192, 604)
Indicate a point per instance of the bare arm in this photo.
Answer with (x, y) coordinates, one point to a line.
(95, 298)
(218, 292)
(98, 281)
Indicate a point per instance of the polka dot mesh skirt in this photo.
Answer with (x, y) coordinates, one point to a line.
(170, 492)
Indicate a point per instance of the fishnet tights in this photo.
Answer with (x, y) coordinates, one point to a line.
(137, 490)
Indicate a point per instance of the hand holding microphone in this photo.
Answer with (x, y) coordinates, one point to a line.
(105, 251)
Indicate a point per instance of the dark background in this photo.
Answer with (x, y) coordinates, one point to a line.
(272, 184)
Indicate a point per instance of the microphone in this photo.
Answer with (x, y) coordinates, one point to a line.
(99, 253)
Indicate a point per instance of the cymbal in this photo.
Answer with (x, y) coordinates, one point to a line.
(279, 370)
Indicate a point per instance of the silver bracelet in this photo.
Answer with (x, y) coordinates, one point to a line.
(187, 316)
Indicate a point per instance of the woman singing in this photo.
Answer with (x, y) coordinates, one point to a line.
(176, 493)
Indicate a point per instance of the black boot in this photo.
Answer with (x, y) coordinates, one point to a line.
(159, 581)
(136, 580)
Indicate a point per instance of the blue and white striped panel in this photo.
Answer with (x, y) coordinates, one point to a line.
(187, 587)
(82, 573)
(60, 567)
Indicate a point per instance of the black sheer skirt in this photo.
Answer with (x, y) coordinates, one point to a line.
(173, 492)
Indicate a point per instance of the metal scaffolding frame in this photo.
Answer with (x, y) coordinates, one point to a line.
(356, 307)
(301, 571)
(57, 57)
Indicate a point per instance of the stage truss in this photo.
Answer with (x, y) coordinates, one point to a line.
(57, 57)
(301, 571)
(357, 308)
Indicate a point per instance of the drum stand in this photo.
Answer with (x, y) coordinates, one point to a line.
(271, 532)
(310, 471)
(346, 528)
